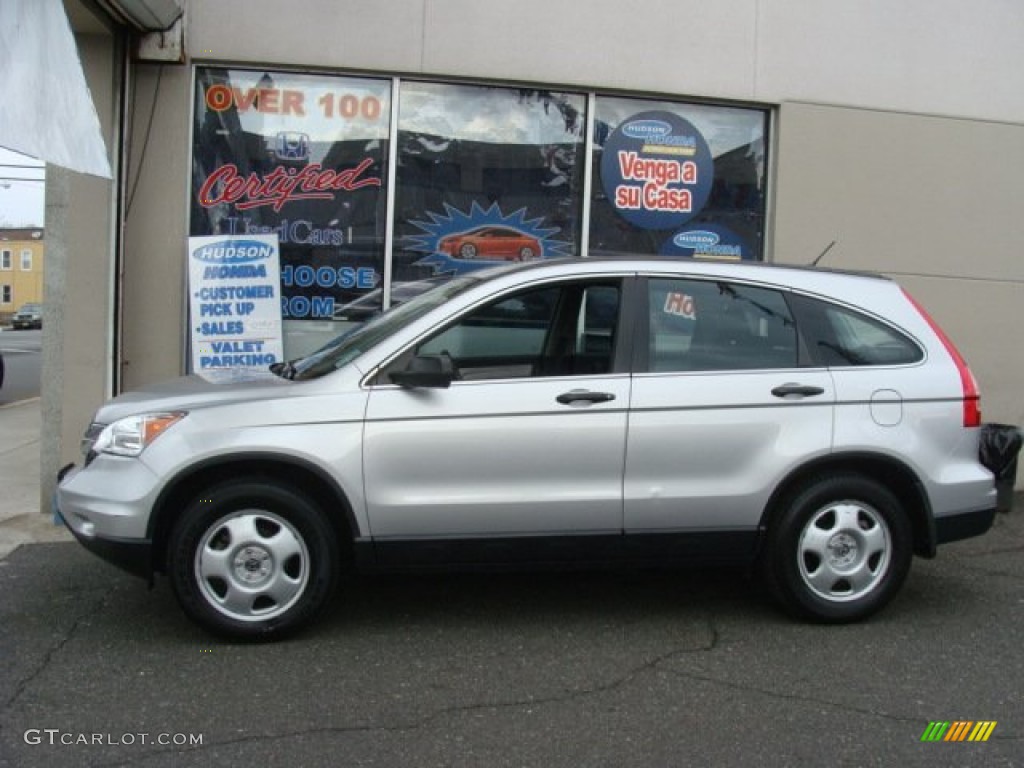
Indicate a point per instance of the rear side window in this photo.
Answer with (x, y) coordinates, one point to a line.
(838, 336)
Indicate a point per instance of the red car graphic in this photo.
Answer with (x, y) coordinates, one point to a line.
(491, 242)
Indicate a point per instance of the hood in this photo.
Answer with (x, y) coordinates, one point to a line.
(189, 392)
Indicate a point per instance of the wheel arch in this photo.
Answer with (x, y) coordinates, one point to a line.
(899, 478)
(300, 475)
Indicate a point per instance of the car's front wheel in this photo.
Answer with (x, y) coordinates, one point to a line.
(467, 251)
(839, 550)
(251, 559)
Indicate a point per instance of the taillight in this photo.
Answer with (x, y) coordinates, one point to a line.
(972, 397)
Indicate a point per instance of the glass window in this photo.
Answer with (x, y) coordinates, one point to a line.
(303, 157)
(838, 337)
(699, 325)
(6, 299)
(675, 178)
(5, 260)
(485, 174)
(26, 260)
(561, 330)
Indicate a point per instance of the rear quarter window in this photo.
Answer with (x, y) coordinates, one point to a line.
(838, 336)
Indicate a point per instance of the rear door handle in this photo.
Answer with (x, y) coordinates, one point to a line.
(584, 395)
(801, 390)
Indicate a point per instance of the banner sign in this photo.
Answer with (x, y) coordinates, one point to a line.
(657, 170)
(235, 302)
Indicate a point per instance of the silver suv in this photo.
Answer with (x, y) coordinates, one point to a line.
(601, 411)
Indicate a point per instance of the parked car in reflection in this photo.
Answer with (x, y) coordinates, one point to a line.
(29, 316)
(369, 304)
(501, 243)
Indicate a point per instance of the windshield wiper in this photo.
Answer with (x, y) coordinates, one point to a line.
(283, 369)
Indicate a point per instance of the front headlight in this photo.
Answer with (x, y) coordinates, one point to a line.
(131, 435)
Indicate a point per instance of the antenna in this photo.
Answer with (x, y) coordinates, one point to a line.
(822, 254)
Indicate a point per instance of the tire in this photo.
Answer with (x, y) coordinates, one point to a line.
(467, 251)
(839, 550)
(252, 560)
(525, 253)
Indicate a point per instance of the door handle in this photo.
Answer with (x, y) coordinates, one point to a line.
(802, 390)
(584, 395)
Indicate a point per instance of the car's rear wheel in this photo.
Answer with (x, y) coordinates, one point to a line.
(467, 251)
(251, 559)
(526, 253)
(839, 549)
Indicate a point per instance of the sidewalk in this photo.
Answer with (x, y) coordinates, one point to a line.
(21, 520)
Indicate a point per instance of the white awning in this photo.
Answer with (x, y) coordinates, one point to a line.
(48, 111)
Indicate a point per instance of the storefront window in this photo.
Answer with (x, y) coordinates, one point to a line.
(485, 175)
(674, 178)
(303, 157)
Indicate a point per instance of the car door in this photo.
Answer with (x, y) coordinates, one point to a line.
(529, 440)
(720, 406)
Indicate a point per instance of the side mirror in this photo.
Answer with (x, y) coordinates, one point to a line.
(430, 371)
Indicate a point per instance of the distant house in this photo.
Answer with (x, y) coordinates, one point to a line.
(21, 269)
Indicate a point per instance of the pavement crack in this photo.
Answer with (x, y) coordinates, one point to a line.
(51, 653)
(411, 726)
(796, 697)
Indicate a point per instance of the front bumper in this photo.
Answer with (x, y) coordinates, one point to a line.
(133, 556)
(110, 519)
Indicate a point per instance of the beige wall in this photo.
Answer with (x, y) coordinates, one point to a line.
(936, 56)
(936, 203)
(79, 271)
(155, 233)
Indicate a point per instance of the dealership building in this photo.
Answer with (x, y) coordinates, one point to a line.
(382, 147)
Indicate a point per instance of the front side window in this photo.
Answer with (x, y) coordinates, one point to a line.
(558, 330)
(710, 325)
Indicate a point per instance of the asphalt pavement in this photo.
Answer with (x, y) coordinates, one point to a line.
(547, 670)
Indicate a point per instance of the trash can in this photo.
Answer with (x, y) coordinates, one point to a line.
(998, 451)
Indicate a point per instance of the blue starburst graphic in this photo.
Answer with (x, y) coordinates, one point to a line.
(535, 240)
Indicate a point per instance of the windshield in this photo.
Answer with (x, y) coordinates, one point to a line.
(349, 345)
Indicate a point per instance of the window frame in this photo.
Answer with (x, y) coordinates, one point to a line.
(26, 258)
(6, 260)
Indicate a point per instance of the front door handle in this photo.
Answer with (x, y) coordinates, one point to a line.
(584, 395)
(801, 390)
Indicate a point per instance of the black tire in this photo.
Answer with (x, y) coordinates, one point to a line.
(839, 549)
(252, 560)
(467, 251)
(526, 253)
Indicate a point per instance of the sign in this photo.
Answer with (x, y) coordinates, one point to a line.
(657, 170)
(235, 303)
(709, 241)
